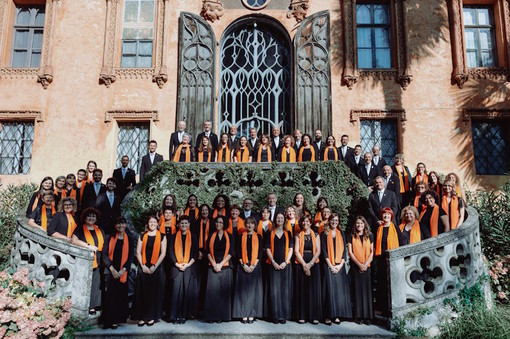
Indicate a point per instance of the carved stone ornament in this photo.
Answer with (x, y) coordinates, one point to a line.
(484, 113)
(131, 115)
(357, 114)
(161, 78)
(298, 9)
(107, 79)
(212, 10)
(46, 78)
(21, 115)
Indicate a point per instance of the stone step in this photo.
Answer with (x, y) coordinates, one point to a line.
(235, 329)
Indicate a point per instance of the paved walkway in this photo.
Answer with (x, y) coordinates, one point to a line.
(235, 329)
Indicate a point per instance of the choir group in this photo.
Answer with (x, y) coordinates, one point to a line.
(224, 261)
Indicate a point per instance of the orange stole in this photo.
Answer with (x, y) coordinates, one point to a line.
(424, 178)
(201, 156)
(173, 223)
(317, 218)
(259, 154)
(417, 203)
(415, 231)
(227, 154)
(177, 154)
(44, 218)
(90, 241)
(453, 213)
(434, 220)
(227, 247)
(155, 251)
(273, 232)
(125, 253)
(302, 244)
(360, 250)
(222, 212)
(260, 230)
(243, 154)
(203, 237)
(240, 226)
(326, 151)
(404, 180)
(186, 212)
(178, 248)
(335, 258)
(36, 202)
(300, 157)
(392, 239)
(71, 225)
(254, 248)
(83, 184)
(288, 227)
(292, 155)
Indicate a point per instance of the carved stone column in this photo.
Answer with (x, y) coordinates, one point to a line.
(3, 14)
(161, 73)
(460, 73)
(45, 76)
(403, 76)
(350, 73)
(107, 76)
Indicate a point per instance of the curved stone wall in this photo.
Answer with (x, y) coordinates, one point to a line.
(65, 269)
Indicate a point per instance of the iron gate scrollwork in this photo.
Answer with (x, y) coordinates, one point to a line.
(197, 65)
(255, 77)
(312, 74)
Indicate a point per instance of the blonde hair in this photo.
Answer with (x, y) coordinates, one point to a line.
(412, 209)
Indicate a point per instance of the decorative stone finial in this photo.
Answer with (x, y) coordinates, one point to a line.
(212, 10)
(298, 9)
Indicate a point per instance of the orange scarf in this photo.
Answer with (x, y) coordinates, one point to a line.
(302, 244)
(434, 220)
(243, 154)
(392, 239)
(81, 188)
(360, 250)
(220, 212)
(300, 157)
(326, 151)
(260, 229)
(44, 218)
(318, 217)
(322, 225)
(415, 231)
(90, 241)
(203, 237)
(292, 155)
(227, 154)
(211, 246)
(186, 212)
(273, 232)
(404, 181)
(335, 255)
(125, 253)
(36, 202)
(71, 225)
(259, 154)
(155, 249)
(254, 248)
(288, 227)
(417, 203)
(240, 226)
(162, 227)
(178, 248)
(424, 178)
(201, 156)
(453, 212)
(90, 177)
(177, 154)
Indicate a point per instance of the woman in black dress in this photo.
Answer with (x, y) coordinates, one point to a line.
(92, 237)
(169, 201)
(299, 204)
(248, 287)
(307, 281)
(64, 222)
(35, 200)
(434, 217)
(60, 191)
(42, 215)
(287, 152)
(119, 254)
(264, 152)
(91, 167)
(205, 151)
(150, 253)
(361, 252)
(330, 150)
(184, 153)
(411, 230)
(221, 207)
(404, 176)
(218, 297)
(192, 212)
(279, 249)
(183, 253)
(336, 296)
(224, 151)
(203, 228)
(420, 188)
(435, 183)
(452, 205)
(242, 152)
(307, 151)
(321, 203)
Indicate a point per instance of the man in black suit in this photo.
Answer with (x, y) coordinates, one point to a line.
(108, 203)
(176, 138)
(272, 199)
(377, 159)
(345, 152)
(276, 141)
(378, 199)
(253, 140)
(150, 159)
(234, 140)
(367, 171)
(298, 135)
(355, 159)
(126, 178)
(93, 189)
(392, 183)
(318, 144)
(213, 138)
(247, 211)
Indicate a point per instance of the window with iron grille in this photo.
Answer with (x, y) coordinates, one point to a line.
(479, 27)
(382, 133)
(28, 37)
(373, 35)
(133, 140)
(16, 139)
(491, 146)
(138, 33)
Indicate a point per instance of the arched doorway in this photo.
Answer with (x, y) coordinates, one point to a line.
(255, 76)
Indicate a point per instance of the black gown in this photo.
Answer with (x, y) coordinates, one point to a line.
(279, 284)
(183, 284)
(116, 302)
(148, 300)
(307, 154)
(248, 297)
(362, 288)
(307, 289)
(336, 297)
(218, 294)
(425, 220)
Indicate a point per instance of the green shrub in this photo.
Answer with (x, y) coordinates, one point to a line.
(13, 200)
(75, 325)
(346, 194)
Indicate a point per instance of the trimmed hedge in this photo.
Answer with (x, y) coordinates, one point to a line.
(345, 193)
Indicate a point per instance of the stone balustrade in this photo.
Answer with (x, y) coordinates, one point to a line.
(65, 269)
(425, 273)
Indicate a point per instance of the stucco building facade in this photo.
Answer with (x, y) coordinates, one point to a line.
(94, 79)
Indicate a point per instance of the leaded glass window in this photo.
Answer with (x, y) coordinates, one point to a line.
(138, 33)
(480, 36)
(28, 37)
(382, 133)
(491, 146)
(373, 35)
(256, 4)
(16, 139)
(133, 140)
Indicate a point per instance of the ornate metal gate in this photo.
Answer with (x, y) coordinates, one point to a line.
(255, 77)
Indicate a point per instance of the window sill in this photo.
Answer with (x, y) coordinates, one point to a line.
(19, 73)
(134, 73)
(489, 73)
(378, 73)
